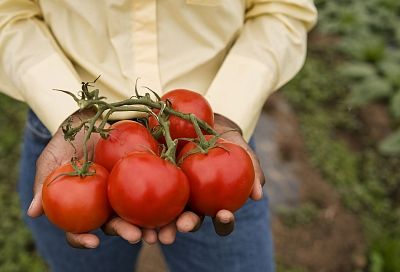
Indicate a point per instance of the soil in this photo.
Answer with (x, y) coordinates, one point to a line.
(333, 240)
(376, 120)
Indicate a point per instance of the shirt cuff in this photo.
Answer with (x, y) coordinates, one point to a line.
(37, 84)
(240, 89)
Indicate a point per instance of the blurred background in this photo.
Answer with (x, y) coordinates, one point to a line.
(329, 142)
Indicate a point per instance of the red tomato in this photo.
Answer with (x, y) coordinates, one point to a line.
(126, 136)
(186, 101)
(221, 179)
(76, 204)
(146, 190)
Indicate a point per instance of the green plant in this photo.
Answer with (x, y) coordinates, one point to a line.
(302, 215)
(335, 138)
(369, 47)
(16, 246)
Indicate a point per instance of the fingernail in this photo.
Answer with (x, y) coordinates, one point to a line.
(135, 242)
(91, 244)
(30, 206)
(186, 226)
(198, 225)
(225, 220)
(261, 190)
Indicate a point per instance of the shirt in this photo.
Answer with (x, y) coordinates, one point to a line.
(234, 52)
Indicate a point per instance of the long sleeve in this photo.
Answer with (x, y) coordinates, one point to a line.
(32, 64)
(269, 51)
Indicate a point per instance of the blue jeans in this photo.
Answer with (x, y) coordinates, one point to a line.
(248, 248)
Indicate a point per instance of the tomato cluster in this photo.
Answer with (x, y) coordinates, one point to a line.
(130, 177)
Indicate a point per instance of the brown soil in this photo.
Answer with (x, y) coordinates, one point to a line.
(151, 259)
(376, 120)
(374, 126)
(333, 240)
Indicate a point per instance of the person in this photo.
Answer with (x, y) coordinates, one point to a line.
(235, 53)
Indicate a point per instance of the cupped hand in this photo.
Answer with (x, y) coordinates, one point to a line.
(58, 152)
(224, 221)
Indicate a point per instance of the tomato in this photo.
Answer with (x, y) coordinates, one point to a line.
(146, 190)
(126, 136)
(221, 179)
(186, 101)
(76, 204)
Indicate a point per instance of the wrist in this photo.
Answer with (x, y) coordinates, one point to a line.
(79, 116)
(75, 120)
(84, 114)
(223, 123)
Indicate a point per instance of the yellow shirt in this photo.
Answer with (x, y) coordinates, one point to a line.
(235, 52)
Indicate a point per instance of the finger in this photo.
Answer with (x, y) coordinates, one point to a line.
(118, 226)
(85, 240)
(36, 209)
(189, 221)
(224, 222)
(259, 177)
(150, 236)
(167, 234)
(44, 165)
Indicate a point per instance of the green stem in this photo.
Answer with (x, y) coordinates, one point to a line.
(105, 119)
(171, 144)
(144, 104)
(145, 101)
(197, 128)
(87, 137)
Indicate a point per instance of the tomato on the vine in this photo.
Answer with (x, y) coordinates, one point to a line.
(125, 136)
(146, 190)
(186, 101)
(220, 179)
(76, 204)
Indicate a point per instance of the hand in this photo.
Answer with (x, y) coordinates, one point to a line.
(58, 152)
(224, 220)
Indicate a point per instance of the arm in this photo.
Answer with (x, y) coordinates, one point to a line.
(269, 51)
(31, 64)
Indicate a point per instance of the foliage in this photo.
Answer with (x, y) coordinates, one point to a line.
(16, 246)
(384, 254)
(361, 66)
(391, 144)
(369, 47)
(283, 268)
(336, 82)
(303, 215)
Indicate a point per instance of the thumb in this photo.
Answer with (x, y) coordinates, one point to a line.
(45, 164)
(56, 153)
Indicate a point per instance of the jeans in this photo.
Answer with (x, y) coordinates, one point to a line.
(248, 248)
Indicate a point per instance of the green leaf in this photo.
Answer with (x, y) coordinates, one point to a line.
(364, 46)
(395, 105)
(391, 145)
(357, 70)
(376, 262)
(374, 49)
(370, 89)
(390, 68)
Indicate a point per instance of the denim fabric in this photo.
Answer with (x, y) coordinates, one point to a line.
(248, 248)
